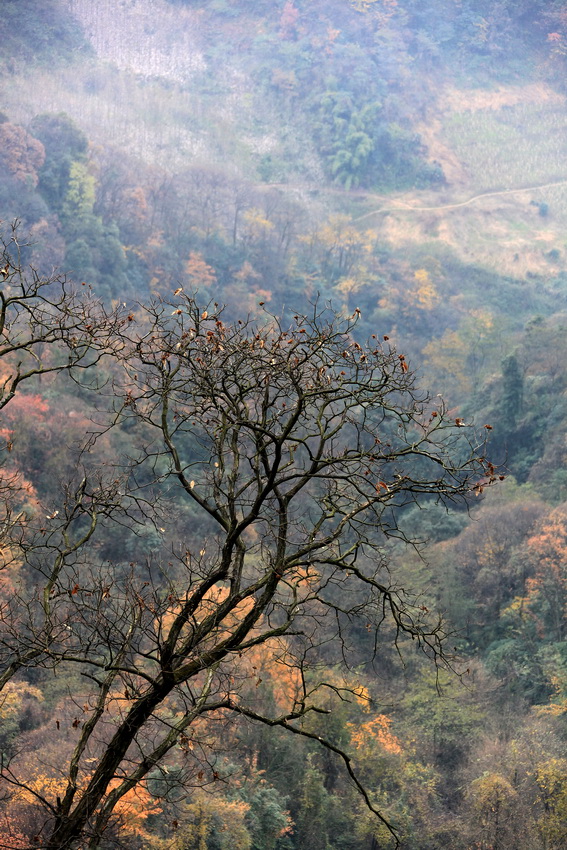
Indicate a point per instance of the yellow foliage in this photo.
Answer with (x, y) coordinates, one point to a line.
(551, 778)
(338, 232)
(137, 204)
(492, 550)
(349, 285)
(557, 705)
(458, 357)
(516, 607)
(424, 295)
(489, 790)
(447, 356)
(197, 823)
(12, 697)
(257, 225)
(362, 696)
(48, 787)
(483, 322)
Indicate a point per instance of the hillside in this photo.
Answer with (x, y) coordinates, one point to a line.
(157, 90)
(402, 162)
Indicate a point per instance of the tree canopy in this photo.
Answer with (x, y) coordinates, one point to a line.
(272, 462)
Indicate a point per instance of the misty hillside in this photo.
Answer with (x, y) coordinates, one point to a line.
(331, 95)
(402, 163)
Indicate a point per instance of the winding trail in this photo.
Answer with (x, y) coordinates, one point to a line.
(408, 208)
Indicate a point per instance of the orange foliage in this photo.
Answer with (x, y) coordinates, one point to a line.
(303, 577)
(134, 808)
(288, 20)
(22, 495)
(12, 838)
(214, 597)
(363, 735)
(151, 252)
(549, 550)
(130, 814)
(271, 663)
(200, 274)
(263, 294)
(26, 405)
(136, 204)
(247, 273)
(10, 563)
(332, 35)
(20, 154)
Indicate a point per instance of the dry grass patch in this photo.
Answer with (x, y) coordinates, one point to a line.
(459, 100)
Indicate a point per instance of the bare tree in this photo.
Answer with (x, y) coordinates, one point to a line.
(46, 327)
(276, 460)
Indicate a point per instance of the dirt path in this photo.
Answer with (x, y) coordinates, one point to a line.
(408, 208)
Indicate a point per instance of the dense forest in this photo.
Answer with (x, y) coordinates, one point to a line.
(283, 265)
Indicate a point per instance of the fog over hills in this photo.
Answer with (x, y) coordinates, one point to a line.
(215, 180)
